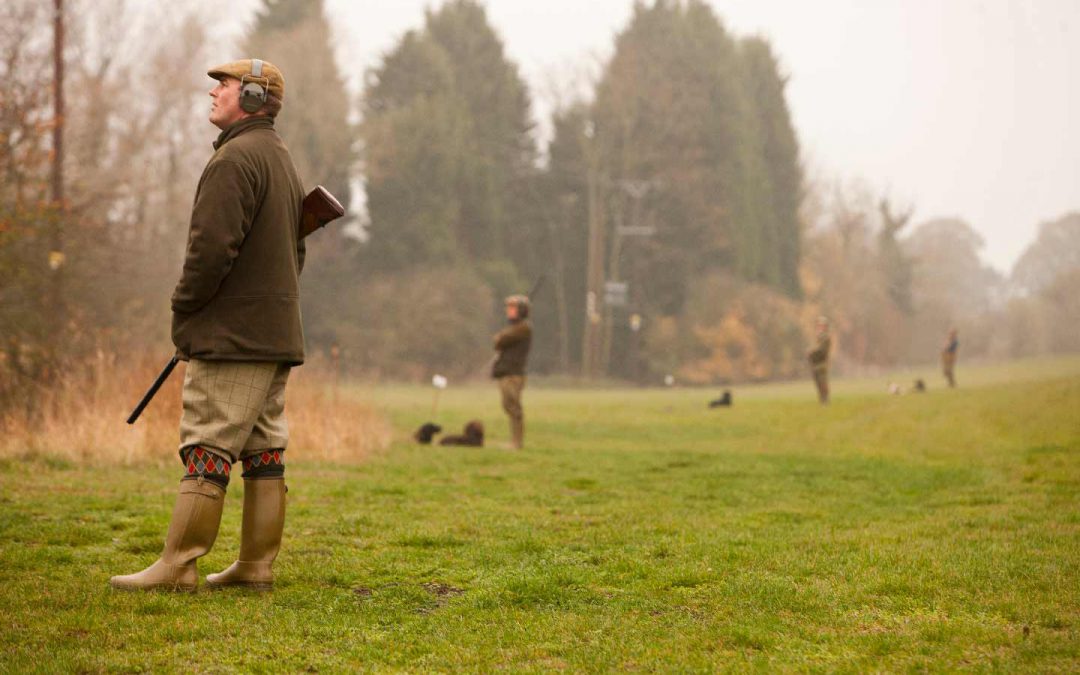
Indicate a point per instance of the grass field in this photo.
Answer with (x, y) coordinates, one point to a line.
(638, 531)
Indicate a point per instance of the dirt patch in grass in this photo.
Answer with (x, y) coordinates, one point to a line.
(442, 590)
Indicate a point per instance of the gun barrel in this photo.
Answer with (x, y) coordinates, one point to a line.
(165, 372)
(536, 286)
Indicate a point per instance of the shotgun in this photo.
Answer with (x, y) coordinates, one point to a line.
(536, 287)
(319, 208)
(165, 372)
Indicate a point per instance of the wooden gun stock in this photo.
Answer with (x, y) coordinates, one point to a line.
(320, 208)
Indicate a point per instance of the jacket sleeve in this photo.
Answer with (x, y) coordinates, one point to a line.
(221, 218)
(510, 336)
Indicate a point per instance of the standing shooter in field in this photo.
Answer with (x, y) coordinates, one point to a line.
(819, 359)
(948, 357)
(236, 321)
(512, 344)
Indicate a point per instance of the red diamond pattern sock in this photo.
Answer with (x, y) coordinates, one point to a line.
(265, 464)
(201, 463)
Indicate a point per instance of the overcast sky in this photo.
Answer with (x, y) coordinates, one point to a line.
(962, 108)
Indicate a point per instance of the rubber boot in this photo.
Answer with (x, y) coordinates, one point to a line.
(821, 380)
(191, 534)
(260, 536)
(517, 433)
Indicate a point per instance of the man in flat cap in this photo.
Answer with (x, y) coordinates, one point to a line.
(236, 321)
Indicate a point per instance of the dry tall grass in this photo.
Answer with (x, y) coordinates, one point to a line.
(83, 418)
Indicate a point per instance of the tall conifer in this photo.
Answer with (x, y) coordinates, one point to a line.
(777, 149)
(295, 36)
(415, 135)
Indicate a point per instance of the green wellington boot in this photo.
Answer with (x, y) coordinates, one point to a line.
(517, 433)
(192, 532)
(260, 536)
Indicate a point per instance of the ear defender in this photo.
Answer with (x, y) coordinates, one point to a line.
(252, 93)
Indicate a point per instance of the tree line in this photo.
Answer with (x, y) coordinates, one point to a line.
(683, 163)
(668, 211)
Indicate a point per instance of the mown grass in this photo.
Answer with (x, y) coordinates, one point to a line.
(638, 531)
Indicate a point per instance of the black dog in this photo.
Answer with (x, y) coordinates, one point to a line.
(722, 402)
(473, 436)
(920, 386)
(426, 432)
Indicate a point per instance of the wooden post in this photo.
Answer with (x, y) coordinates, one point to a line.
(58, 115)
(594, 278)
(57, 311)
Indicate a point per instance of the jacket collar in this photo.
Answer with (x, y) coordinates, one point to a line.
(243, 126)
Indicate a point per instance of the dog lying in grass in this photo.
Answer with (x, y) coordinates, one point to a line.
(722, 402)
(426, 432)
(472, 436)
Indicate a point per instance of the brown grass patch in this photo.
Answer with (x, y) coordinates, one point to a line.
(83, 417)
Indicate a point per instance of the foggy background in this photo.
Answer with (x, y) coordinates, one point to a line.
(964, 108)
(696, 182)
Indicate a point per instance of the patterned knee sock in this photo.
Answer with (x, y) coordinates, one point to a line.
(265, 464)
(201, 463)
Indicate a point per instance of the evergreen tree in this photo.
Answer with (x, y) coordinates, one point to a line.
(649, 119)
(415, 133)
(695, 138)
(447, 128)
(494, 183)
(295, 36)
(560, 243)
(450, 169)
(704, 120)
(778, 150)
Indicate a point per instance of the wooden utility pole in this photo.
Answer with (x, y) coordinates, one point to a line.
(56, 254)
(58, 111)
(636, 190)
(614, 253)
(56, 248)
(594, 278)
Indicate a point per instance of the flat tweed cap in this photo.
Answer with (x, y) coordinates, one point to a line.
(271, 76)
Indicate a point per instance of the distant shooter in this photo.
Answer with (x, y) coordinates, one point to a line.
(819, 359)
(512, 346)
(948, 357)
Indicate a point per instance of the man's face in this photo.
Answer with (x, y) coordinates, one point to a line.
(511, 311)
(226, 103)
